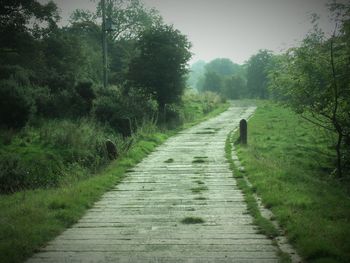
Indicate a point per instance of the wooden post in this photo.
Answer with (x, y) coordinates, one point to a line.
(243, 129)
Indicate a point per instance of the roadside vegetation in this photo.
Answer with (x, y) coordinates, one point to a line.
(56, 120)
(30, 218)
(312, 79)
(290, 161)
(64, 138)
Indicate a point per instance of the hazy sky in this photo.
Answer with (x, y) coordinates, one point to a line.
(235, 29)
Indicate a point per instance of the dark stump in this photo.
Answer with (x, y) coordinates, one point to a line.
(111, 150)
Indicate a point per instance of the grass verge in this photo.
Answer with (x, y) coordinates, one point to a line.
(289, 162)
(265, 226)
(31, 218)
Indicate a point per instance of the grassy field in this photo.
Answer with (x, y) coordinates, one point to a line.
(30, 218)
(289, 162)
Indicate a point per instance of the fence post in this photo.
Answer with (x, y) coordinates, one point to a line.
(243, 128)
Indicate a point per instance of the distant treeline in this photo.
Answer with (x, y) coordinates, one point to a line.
(231, 80)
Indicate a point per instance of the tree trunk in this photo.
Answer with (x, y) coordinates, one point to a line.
(338, 149)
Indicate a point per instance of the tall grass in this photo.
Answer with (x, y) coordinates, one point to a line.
(56, 151)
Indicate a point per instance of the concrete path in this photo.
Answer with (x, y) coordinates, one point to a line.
(146, 218)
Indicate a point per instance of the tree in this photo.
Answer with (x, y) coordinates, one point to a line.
(219, 76)
(24, 18)
(314, 80)
(129, 18)
(233, 87)
(212, 82)
(222, 66)
(197, 70)
(161, 65)
(257, 74)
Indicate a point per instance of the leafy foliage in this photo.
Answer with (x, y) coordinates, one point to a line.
(160, 67)
(55, 117)
(314, 80)
(129, 18)
(257, 74)
(15, 104)
(223, 77)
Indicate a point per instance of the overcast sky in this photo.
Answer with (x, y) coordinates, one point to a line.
(234, 29)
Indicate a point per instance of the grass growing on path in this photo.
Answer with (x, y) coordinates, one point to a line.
(192, 220)
(29, 219)
(289, 162)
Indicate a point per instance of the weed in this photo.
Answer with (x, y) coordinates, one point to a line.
(57, 204)
(199, 189)
(198, 161)
(199, 182)
(192, 220)
(205, 132)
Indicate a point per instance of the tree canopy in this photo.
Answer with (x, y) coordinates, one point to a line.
(161, 65)
(314, 80)
(257, 74)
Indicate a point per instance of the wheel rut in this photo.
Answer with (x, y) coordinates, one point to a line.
(180, 204)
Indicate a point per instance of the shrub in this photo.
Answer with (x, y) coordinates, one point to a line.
(210, 101)
(15, 106)
(58, 151)
(117, 103)
(172, 116)
(81, 141)
(83, 98)
(30, 169)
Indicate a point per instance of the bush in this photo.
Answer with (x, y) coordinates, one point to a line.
(28, 170)
(81, 141)
(172, 116)
(58, 151)
(210, 101)
(118, 103)
(15, 106)
(83, 98)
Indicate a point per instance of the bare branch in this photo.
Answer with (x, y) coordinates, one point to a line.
(316, 123)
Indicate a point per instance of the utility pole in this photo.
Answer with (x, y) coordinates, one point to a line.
(104, 44)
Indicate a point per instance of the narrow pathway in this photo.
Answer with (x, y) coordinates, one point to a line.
(180, 204)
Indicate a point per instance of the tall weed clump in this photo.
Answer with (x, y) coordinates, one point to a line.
(81, 141)
(195, 105)
(55, 152)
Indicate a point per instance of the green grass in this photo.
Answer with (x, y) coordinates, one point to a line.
(289, 162)
(30, 218)
(192, 220)
(199, 189)
(199, 161)
(199, 182)
(200, 198)
(265, 226)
